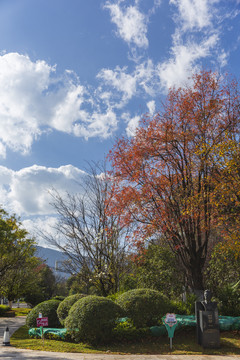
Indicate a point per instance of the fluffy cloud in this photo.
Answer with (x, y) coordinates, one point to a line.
(100, 124)
(132, 124)
(176, 70)
(143, 80)
(36, 227)
(120, 80)
(196, 37)
(194, 14)
(27, 191)
(33, 99)
(151, 107)
(131, 23)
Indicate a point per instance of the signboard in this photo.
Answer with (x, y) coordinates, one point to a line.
(170, 319)
(170, 322)
(42, 321)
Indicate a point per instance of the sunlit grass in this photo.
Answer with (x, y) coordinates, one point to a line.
(184, 342)
(21, 311)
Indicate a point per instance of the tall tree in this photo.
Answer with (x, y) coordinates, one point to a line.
(40, 285)
(163, 175)
(15, 246)
(93, 239)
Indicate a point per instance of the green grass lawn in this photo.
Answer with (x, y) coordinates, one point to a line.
(184, 342)
(21, 311)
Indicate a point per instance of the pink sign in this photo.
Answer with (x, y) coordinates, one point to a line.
(42, 321)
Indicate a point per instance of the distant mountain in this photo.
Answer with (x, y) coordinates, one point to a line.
(53, 259)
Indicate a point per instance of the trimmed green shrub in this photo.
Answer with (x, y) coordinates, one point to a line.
(144, 306)
(126, 331)
(92, 319)
(65, 306)
(48, 309)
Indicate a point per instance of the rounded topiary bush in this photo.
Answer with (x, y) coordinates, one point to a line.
(48, 309)
(65, 306)
(144, 306)
(92, 319)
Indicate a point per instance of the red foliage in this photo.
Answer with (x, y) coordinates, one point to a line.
(163, 175)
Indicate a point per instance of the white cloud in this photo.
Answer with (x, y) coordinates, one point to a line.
(194, 14)
(176, 70)
(131, 23)
(120, 81)
(41, 225)
(223, 58)
(27, 191)
(143, 79)
(67, 112)
(100, 124)
(196, 38)
(34, 99)
(151, 107)
(132, 124)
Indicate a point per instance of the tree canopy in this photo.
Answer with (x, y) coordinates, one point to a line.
(15, 246)
(164, 174)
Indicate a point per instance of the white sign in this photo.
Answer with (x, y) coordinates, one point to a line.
(40, 315)
(170, 319)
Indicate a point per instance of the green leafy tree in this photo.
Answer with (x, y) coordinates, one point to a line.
(16, 253)
(158, 269)
(224, 265)
(42, 286)
(19, 281)
(15, 246)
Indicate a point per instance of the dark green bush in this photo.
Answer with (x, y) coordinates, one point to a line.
(228, 299)
(144, 306)
(126, 331)
(92, 319)
(48, 309)
(58, 297)
(183, 308)
(65, 305)
(4, 309)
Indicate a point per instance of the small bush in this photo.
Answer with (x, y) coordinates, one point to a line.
(92, 319)
(48, 309)
(126, 331)
(4, 309)
(144, 306)
(228, 299)
(183, 308)
(65, 306)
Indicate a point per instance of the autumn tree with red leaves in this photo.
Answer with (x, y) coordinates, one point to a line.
(164, 174)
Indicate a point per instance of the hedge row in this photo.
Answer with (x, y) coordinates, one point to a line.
(93, 318)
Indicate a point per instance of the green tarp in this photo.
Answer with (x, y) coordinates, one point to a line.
(226, 323)
(37, 332)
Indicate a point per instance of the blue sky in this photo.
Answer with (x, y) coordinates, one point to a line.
(77, 74)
